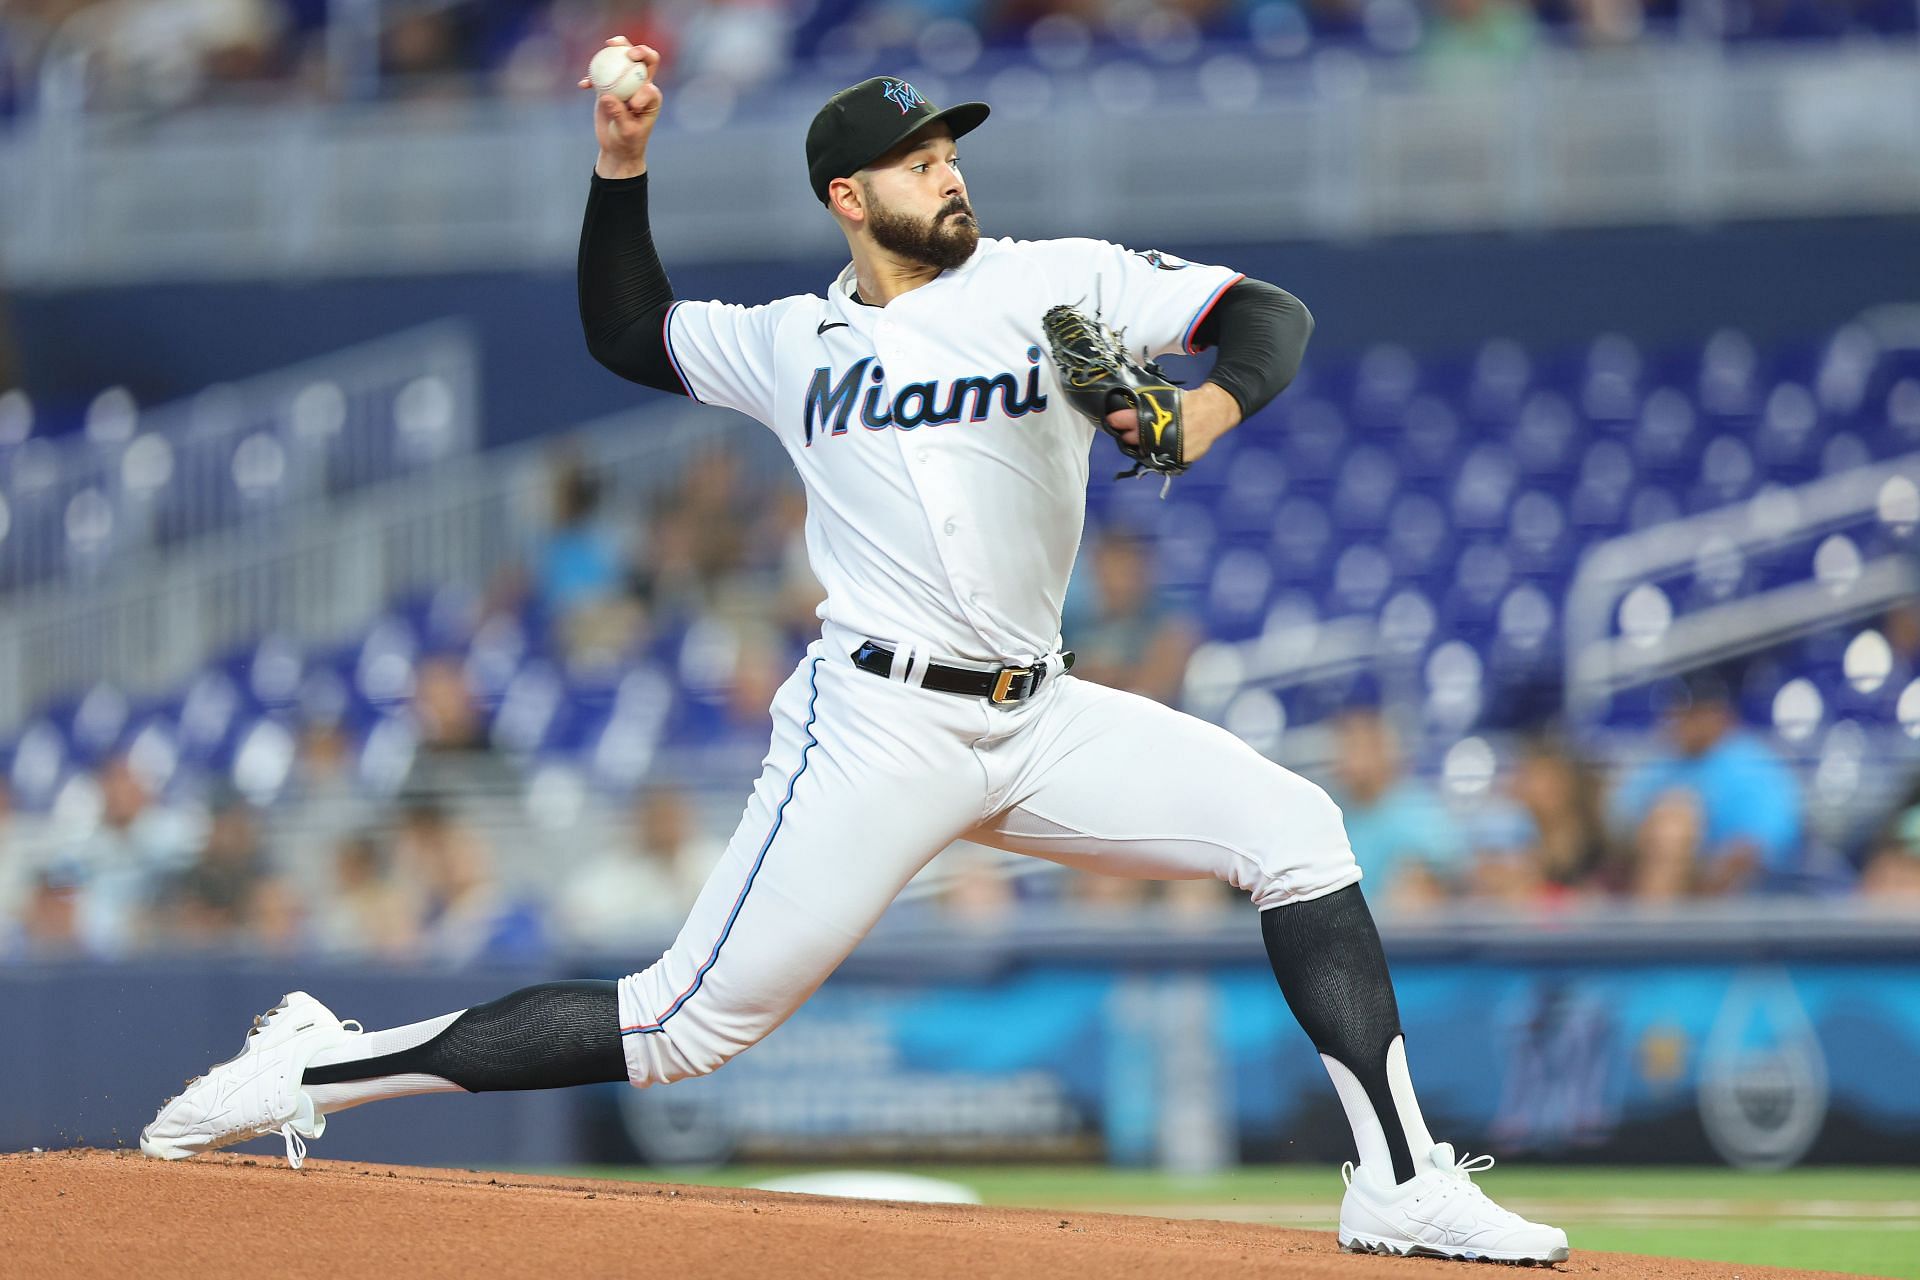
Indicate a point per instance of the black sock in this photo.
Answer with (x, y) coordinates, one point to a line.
(1326, 954)
(549, 1036)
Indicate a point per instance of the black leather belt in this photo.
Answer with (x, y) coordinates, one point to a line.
(1007, 684)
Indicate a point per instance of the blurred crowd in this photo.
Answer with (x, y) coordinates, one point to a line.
(378, 815)
(1708, 809)
(147, 53)
(418, 884)
(333, 839)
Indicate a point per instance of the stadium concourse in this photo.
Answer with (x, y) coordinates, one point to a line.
(82, 1214)
(1425, 521)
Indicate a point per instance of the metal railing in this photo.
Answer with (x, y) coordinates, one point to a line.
(1336, 146)
(334, 570)
(84, 506)
(1603, 658)
(1856, 526)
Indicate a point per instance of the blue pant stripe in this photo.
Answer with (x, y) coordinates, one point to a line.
(779, 815)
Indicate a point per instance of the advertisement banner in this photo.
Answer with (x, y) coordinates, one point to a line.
(1758, 1066)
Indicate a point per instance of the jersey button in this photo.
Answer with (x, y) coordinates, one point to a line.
(951, 527)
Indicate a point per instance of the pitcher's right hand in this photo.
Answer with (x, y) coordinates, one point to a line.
(624, 128)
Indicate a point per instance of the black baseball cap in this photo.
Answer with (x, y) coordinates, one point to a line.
(863, 123)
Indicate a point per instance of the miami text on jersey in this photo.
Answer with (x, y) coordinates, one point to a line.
(918, 404)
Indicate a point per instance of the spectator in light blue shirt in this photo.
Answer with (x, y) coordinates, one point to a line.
(1409, 848)
(578, 562)
(1719, 813)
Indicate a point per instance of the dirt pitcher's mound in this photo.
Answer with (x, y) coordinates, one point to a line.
(88, 1214)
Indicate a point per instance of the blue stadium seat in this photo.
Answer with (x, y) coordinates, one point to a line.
(1501, 378)
(1429, 438)
(1385, 381)
(1544, 435)
(1791, 434)
(1184, 545)
(1665, 441)
(1447, 501)
(1538, 542)
(1843, 451)
(1610, 384)
(1366, 486)
(1407, 624)
(1482, 488)
(1902, 414)
(1605, 485)
(1418, 536)
(530, 716)
(1301, 532)
(1237, 594)
(1362, 576)
(1727, 474)
(1727, 377)
(1315, 434)
(1482, 575)
(211, 716)
(1252, 491)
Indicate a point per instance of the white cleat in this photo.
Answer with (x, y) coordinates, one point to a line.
(1441, 1214)
(255, 1092)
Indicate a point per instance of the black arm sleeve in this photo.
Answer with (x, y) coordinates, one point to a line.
(1261, 331)
(624, 291)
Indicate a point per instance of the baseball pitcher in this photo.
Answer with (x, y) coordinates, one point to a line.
(939, 399)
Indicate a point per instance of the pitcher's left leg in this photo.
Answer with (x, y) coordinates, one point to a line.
(1115, 783)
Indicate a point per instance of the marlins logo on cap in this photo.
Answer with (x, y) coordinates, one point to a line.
(903, 95)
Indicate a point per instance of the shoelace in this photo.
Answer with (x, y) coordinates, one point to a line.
(296, 1145)
(1461, 1173)
(1467, 1165)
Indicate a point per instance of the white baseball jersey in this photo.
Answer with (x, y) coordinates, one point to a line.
(946, 478)
(946, 485)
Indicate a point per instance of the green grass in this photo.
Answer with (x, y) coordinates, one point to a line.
(1865, 1221)
(1871, 1251)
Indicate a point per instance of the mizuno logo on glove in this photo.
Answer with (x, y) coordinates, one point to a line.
(1097, 373)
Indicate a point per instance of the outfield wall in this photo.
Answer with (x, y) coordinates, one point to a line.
(1757, 1046)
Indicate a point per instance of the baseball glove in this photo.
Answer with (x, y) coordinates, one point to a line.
(1099, 377)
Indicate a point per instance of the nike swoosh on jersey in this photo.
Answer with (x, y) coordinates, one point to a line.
(830, 324)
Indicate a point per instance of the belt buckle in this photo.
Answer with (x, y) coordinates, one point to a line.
(1003, 684)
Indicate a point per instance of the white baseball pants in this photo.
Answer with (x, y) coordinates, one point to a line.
(867, 778)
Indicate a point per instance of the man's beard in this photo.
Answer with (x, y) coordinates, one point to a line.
(944, 242)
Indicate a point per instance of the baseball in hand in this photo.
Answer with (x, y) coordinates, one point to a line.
(612, 71)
